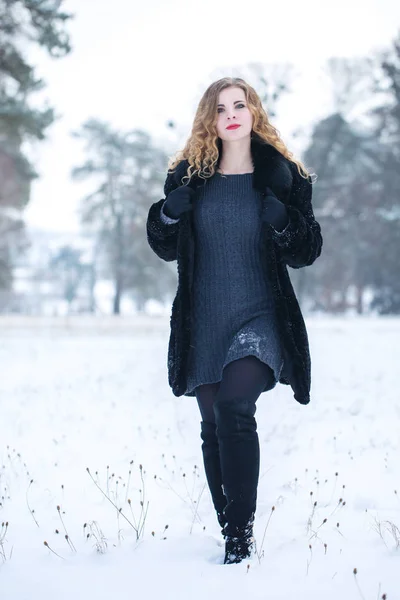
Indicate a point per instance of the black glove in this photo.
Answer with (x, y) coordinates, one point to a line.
(274, 211)
(178, 202)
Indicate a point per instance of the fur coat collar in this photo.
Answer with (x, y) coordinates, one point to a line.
(271, 169)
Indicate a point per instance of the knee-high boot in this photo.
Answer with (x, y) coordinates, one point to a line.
(240, 465)
(212, 467)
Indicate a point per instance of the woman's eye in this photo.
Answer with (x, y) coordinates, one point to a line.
(237, 106)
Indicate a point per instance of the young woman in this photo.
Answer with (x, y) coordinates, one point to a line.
(237, 211)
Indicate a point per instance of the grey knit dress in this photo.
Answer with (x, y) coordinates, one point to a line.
(232, 304)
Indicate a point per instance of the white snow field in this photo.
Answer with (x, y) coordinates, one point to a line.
(90, 429)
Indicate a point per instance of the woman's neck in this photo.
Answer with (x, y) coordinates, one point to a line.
(235, 160)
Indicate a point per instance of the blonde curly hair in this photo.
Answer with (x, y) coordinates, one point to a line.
(203, 147)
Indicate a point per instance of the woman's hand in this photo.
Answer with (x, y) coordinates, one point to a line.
(179, 201)
(274, 211)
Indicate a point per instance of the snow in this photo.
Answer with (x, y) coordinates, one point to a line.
(83, 393)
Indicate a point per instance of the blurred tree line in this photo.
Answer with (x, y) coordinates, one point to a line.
(128, 171)
(23, 24)
(357, 197)
(354, 152)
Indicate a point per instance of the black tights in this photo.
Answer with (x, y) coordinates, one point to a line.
(230, 446)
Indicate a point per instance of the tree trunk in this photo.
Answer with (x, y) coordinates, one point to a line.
(359, 300)
(117, 297)
(119, 267)
(92, 285)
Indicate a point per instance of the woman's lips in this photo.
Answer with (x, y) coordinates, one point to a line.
(233, 126)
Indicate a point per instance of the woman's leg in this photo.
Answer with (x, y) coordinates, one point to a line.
(205, 395)
(234, 406)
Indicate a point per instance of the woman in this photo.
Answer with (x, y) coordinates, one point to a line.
(237, 211)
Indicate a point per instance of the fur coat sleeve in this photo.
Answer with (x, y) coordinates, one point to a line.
(300, 243)
(163, 237)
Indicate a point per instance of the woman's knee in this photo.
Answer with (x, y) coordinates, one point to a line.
(234, 415)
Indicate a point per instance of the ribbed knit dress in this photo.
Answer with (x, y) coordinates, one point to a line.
(232, 304)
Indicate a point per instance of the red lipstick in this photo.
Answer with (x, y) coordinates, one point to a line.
(233, 126)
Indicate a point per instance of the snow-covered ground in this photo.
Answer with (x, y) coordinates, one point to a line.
(89, 423)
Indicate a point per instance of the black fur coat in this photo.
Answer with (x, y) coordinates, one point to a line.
(298, 245)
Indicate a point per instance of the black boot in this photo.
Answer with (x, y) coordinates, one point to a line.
(239, 542)
(240, 465)
(212, 468)
(222, 521)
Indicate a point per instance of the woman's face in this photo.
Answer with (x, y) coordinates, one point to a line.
(232, 109)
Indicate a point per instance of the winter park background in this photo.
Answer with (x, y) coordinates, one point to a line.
(102, 488)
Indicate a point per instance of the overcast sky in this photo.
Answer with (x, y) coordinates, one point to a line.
(139, 63)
